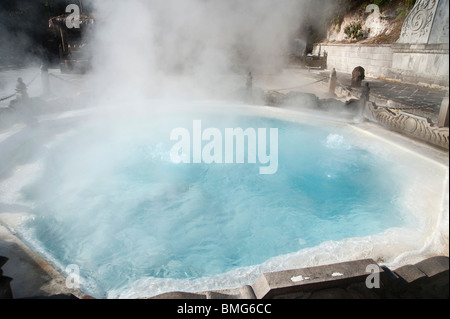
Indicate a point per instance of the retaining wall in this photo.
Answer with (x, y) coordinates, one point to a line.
(425, 64)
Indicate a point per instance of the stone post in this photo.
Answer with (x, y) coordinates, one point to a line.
(365, 97)
(45, 79)
(249, 87)
(443, 115)
(249, 83)
(332, 82)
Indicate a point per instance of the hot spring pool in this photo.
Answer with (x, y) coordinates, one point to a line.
(104, 195)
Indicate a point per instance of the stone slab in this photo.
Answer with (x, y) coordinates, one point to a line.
(179, 296)
(413, 63)
(219, 296)
(274, 284)
(434, 266)
(410, 274)
(246, 292)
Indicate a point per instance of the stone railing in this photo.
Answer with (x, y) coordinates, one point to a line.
(411, 125)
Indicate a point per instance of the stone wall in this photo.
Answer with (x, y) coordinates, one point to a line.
(420, 56)
(375, 59)
(425, 64)
(420, 63)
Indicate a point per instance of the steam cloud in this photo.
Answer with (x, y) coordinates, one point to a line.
(191, 46)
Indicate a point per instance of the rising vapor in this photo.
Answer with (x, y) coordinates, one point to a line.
(167, 47)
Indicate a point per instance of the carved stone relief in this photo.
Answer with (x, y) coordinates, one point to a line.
(417, 26)
(411, 125)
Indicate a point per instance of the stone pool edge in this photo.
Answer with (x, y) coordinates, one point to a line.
(347, 280)
(404, 280)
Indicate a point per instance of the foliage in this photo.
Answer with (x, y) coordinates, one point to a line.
(353, 31)
(382, 3)
(408, 4)
(403, 11)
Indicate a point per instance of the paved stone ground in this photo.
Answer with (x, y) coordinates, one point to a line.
(409, 98)
(414, 99)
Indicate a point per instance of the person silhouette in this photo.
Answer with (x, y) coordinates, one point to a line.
(21, 90)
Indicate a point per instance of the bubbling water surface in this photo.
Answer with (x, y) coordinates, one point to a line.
(108, 199)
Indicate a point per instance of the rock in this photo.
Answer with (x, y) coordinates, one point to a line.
(5, 287)
(410, 274)
(358, 75)
(434, 266)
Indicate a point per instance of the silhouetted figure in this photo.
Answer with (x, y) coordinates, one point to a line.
(21, 90)
(23, 104)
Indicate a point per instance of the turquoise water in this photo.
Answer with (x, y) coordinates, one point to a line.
(109, 200)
